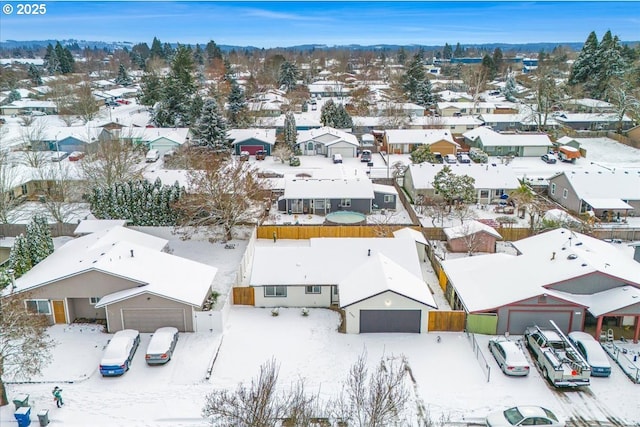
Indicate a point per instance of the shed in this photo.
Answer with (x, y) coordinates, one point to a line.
(472, 236)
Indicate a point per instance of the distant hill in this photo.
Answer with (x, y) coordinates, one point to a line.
(506, 47)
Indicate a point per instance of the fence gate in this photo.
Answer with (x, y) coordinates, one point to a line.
(244, 296)
(450, 321)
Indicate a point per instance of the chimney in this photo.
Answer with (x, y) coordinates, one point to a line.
(553, 255)
(132, 253)
(368, 252)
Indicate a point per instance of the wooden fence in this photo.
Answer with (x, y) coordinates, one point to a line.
(624, 139)
(58, 229)
(244, 296)
(447, 321)
(308, 231)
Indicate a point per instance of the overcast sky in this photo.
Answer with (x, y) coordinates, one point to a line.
(273, 24)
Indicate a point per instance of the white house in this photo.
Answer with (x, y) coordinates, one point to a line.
(500, 144)
(327, 141)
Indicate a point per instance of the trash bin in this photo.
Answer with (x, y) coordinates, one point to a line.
(21, 400)
(23, 416)
(43, 417)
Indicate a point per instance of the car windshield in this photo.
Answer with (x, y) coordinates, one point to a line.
(550, 415)
(513, 416)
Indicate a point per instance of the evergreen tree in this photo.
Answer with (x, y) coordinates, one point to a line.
(151, 88)
(34, 75)
(510, 88)
(237, 106)
(123, 78)
(20, 256)
(452, 187)
(210, 130)
(584, 65)
(198, 55)
(290, 132)
(335, 116)
(212, 51)
(497, 60)
(156, 49)
(168, 52)
(139, 54)
(14, 95)
(422, 154)
(458, 52)
(489, 66)
(447, 51)
(65, 59)
(401, 56)
(610, 65)
(288, 75)
(415, 83)
(51, 62)
(196, 108)
(342, 118)
(39, 240)
(178, 89)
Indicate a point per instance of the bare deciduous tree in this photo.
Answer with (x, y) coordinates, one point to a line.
(85, 104)
(282, 152)
(24, 343)
(63, 192)
(8, 181)
(222, 192)
(111, 160)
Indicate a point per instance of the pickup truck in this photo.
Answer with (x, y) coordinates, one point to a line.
(566, 153)
(558, 360)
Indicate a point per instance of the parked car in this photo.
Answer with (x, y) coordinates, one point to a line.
(75, 156)
(464, 158)
(438, 157)
(450, 158)
(244, 156)
(123, 101)
(261, 154)
(509, 356)
(163, 343)
(549, 158)
(523, 416)
(117, 357)
(365, 156)
(593, 352)
(337, 158)
(152, 156)
(59, 156)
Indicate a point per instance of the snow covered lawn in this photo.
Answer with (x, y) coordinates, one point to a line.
(450, 382)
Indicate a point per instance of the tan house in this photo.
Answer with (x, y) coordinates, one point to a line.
(120, 276)
(404, 141)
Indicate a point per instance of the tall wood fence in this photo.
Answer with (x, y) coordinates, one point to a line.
(310, 231)
(244, 296)
(447, 321)
(58, 229)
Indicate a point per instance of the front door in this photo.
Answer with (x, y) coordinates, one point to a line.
(59, 315)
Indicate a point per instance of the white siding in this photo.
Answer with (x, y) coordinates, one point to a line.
(296, 297)
(386, 300)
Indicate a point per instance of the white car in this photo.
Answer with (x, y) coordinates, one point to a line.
(117, 357)
(523, 416)
(593, 352)
(509, 356)
(163, 343)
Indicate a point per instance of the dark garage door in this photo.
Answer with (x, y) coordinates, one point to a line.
(148, 320)
(251, 148)
(390, 321)
(520, 320)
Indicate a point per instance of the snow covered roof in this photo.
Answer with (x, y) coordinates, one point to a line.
(494, 139)
(267, 136)
(607, 301)
(168, 176)
(469, 228)
(418, 136)
(589, 117)
(129, 254)
(602, 184)
(88, 226)
(379, 274)
(329, 136)
(446, 121)
(177, 135)
(309, 188)
(321, 261)
(30, 103)
(410, 233)
(607, 203)
(486, 176)
(385, 189)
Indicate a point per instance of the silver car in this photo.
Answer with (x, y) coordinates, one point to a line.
(163, 343)
(523, 416)
(509, 356)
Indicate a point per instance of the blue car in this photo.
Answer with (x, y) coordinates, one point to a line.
(593, 352)
(117, 357)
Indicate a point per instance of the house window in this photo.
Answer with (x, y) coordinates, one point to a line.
(553, 189)
(315, 289)
(499, 193)
(94, 300)
(345, 203)
(388, 198)
(39, 306)
(275, 291)
(565, 193)
(484, 194)
(310, 146)
(24, 189)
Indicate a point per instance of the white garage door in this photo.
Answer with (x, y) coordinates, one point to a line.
(343, 151)
(148, 320)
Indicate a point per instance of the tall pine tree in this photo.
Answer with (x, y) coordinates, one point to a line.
(415, 83)
(290, 133)
(210, 130)
(237, 106)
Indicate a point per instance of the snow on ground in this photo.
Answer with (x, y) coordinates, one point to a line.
(450, 381)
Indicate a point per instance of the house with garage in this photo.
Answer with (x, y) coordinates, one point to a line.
(327, 141)
(570, 278)
(456, 124)
(165, 139)
(404, 141)
(121, 276)
(68, 139)
(610, 195)
(471, 237)
(502, 144)
(594, 121)
(28, 107)
(252, 140)
(377, 281)
(319, 196)
(492, 181)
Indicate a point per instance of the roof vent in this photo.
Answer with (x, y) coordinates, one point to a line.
(572, 256)
(579, 244)
(584, 264)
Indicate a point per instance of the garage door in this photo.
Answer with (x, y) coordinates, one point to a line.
(251, 148)
(390, 321)
(343, 151)
(520, 320)
(148, 320)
